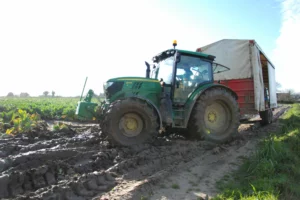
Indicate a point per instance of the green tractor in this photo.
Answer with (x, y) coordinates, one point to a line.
(178, 92)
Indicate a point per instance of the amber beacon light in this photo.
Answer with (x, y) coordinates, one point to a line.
(174, 43)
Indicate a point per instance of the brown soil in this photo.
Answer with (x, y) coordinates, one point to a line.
(79, 163)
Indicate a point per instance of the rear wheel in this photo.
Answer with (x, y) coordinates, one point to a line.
(130, 121)
(266, 117)
(215, 116)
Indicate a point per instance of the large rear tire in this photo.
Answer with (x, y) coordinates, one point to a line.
(130, 121)
(215, 116)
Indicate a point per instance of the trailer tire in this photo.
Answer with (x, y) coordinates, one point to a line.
(215, 116)
(129, 122)
(266, 117)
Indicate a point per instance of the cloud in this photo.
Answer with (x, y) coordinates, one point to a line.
(286, 54)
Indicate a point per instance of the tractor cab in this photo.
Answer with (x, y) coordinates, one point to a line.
(182, 74)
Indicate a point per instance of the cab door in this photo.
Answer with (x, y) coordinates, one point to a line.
(191, 72)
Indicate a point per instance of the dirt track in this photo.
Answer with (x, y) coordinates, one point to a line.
(80, 164)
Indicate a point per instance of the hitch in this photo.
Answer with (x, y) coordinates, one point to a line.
(86, 109)
(89, 96)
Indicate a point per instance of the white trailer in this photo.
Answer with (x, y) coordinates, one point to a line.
(251, 75)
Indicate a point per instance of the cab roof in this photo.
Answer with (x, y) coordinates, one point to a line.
(171, 52)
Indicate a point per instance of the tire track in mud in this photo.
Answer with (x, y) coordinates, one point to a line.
(68, 165)
(61, 165)
(83, 165)
(206, 165)
(78, 166)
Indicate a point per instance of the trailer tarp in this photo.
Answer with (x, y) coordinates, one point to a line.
(243, 59)
(233, 54)
(272, 86)
(257, 79)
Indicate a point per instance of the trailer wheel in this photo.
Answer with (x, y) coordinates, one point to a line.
(130, 121)
(266, 117)
(215, 116)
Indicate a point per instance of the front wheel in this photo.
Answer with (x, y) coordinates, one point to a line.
(215, 116)
(130, 121)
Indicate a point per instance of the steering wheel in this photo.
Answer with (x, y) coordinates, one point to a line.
(179, 78)
(199, 77)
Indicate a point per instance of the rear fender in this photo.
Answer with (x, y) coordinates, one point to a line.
(200, 92)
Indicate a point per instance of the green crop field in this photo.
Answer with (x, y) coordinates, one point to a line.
(48, 108)
(22, 114)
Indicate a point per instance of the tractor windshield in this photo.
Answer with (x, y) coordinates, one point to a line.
(194, 69)
(191, 72)
(164, 70)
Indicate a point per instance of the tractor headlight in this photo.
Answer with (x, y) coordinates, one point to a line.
(112, 87)
(106, 85)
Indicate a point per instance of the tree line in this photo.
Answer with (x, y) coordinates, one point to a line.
(25, 94)
(46, 94)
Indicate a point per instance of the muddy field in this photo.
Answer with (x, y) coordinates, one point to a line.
(80, 164)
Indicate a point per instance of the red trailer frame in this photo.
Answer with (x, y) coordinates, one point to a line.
(244, 88)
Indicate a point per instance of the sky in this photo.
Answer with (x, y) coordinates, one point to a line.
(54, 45)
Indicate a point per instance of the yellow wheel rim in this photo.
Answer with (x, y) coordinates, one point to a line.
(212, 116)
(131, 125)
(216, 118)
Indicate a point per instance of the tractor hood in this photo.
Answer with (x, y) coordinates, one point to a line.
(141, 79)
(122, 87)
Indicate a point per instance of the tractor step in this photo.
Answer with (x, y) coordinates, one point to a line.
(178, 117)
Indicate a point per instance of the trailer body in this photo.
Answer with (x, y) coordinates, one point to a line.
(251, 74)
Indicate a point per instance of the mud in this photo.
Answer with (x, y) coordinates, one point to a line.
(79, 163)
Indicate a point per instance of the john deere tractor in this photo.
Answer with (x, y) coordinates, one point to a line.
(178, 92)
